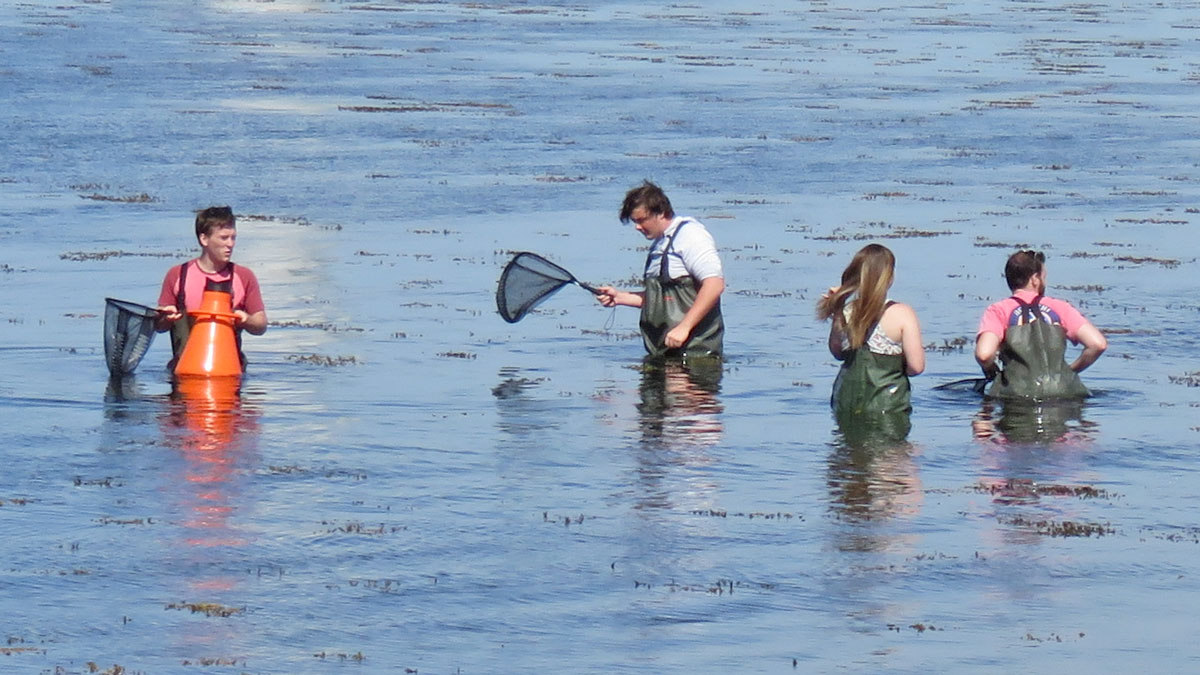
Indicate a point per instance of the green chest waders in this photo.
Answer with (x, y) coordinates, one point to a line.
(870, 384)
(664, 305)
(1033, 354)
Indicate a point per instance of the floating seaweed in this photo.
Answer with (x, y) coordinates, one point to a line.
(80, 256)
(356, 527)
(319, 360)
(456, 355)
(1191, 379)
(1024, 487)
(714, 513)
(1133, 260)
(206, 608)
(141, 198)
(1065, 528)
(325, 326)
(356, 656)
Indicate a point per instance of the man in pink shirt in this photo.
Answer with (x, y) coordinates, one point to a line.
(183, 287)
(1028, 333)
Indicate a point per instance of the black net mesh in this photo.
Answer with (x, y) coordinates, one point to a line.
(527, 280)
(128, 332)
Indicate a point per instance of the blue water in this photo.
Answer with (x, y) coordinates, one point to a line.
(406, 482)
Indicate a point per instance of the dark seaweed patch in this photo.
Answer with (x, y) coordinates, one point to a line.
(81, 256)
(1023, 487)
(981, 242)
(719, 587)
(359, 528)
(919, 627)
(548, 178)
(1133, 260)
(141, 198)
(320, 360)
(456, 355)
(761, 515)
(1187, 379)
(948, 345)
(213, 661)
(206, 608)
(325, 326)
(1052, 637)
(356, 656)
(1065, 528)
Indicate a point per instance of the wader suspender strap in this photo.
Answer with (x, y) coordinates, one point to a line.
(1029, 310)
(180, 300)
(181, 305)
(180, 297)
(663, 276)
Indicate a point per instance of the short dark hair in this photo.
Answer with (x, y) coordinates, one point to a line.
(1022, 266)
(648, 196)
(212, 218)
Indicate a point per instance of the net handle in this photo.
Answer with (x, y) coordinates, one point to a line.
(978, 384)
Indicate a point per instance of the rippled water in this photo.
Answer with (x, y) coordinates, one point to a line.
(407, 482)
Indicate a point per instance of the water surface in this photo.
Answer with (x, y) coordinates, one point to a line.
(404, 481)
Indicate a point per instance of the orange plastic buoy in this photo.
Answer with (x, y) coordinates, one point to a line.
(211, 349)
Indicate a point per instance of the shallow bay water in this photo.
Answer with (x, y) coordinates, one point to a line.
(404, 481)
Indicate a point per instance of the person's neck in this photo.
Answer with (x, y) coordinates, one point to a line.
(207, 266)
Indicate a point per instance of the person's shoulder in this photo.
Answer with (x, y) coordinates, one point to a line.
(899, 311)
(174, 271)
(1003, 305)
(244, 272)
(690, 229)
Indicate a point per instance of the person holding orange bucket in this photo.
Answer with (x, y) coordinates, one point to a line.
(187, 295)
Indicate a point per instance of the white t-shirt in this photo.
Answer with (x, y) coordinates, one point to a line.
(693, 254)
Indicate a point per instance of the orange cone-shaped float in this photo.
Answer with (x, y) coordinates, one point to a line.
(212, 349)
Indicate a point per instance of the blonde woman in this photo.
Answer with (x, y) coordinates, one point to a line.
(877, 340)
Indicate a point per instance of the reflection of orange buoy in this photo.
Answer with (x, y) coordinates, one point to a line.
(211, 348)
(211, 419)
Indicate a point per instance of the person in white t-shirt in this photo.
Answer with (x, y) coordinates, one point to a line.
(683, 281)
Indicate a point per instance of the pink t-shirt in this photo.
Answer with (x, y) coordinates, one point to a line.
(246, 295)
(1000, 315)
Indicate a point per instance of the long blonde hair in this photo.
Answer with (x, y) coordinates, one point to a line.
(867, 278)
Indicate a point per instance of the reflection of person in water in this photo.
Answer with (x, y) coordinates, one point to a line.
(679, 416)
(1031, 422)
(679, 404)
(872, 476)
(877, 340)
(208, 426)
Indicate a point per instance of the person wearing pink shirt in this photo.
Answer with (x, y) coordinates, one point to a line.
(1027, 333)
(183, 287)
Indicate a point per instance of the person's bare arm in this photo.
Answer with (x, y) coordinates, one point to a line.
(611, 297)
(987, 345)
(910, 339)
(254, 324)
(1094, 343)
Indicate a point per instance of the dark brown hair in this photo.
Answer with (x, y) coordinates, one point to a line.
(1023, 266)
(212, 218)
(648, 196)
